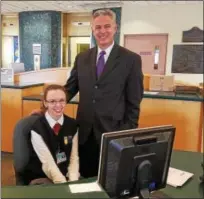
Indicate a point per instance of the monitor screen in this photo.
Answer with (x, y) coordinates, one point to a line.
(136, 161)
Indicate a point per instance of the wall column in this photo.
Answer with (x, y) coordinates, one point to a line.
(40, 27)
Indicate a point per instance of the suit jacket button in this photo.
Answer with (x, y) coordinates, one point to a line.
(96, 87)
(94, 101)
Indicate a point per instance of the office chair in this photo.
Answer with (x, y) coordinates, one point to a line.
(20, 146)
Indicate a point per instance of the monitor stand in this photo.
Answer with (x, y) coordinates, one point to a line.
(144, 194)
(140, 182)
(143, 174)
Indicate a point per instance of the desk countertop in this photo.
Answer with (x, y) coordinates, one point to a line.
(19, 85)
(187, 161)
(147, 94)
(173, 96)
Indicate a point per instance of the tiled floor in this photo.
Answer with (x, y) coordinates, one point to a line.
(7, 171)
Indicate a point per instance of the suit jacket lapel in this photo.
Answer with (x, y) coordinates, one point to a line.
(93, 63)
(111, 62)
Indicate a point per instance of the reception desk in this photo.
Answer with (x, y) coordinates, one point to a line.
(49, 75)
(12, 108)
(185, 112)
(179, 160)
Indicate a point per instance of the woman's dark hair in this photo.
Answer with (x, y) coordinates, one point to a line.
(50, 88)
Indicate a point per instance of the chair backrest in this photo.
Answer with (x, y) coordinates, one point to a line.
(21, 146)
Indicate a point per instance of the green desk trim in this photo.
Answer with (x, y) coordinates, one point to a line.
(20, 85)
(162, 95)
(183, 97)
(188, 161)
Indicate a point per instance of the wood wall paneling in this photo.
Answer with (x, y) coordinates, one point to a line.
(32, 91)
(30, 106)
(11, 113)
(184, 115)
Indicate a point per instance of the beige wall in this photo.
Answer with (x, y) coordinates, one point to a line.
(78, 30)
(168, 18)
(7, 28)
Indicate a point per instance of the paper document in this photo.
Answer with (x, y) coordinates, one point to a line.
(177, 178)
(151, 92)
(84, 187)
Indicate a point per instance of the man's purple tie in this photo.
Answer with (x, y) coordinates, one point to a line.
(101, 63)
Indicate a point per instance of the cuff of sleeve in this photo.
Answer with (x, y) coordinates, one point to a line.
(60, 181)
(73, 178)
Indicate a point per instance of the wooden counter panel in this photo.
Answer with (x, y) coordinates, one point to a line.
(184, 115)
(202, 137)
(11, 106)
(146, 81)
(12, 111)
(51, 75)
(69, 110)
(32, 91)
(75, 110)
(29, 106)
(201, 128)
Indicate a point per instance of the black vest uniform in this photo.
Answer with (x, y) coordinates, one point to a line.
(55, 143)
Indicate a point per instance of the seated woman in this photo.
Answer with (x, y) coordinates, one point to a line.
(54, 142)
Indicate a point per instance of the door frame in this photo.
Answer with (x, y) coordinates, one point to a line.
(151, 34)
(69, 45)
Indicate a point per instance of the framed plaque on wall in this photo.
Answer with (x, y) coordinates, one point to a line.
(187, 59)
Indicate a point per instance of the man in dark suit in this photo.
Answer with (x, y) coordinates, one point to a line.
(109, 79)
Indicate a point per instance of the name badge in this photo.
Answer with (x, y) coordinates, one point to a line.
(61, 157)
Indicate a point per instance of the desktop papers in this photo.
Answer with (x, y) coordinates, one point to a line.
(84, 187)
(177, 178)
(151, 92)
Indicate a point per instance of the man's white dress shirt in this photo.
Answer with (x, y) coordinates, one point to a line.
(107, 50)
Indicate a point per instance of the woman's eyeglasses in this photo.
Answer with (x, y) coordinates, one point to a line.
(54, 102)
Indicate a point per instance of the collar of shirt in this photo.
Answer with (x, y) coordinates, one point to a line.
(107, 50)
(52, 122)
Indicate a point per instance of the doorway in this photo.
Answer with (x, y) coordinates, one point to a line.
(7, 51)
(152, 48)
(77, 44)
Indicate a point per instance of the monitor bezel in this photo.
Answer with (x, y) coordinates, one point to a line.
(106, 137)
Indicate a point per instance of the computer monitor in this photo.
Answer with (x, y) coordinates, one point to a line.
(17, 67)
(135, 162)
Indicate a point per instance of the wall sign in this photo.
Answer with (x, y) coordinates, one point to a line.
(187, 59)
(195, 34)
(37, 49)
